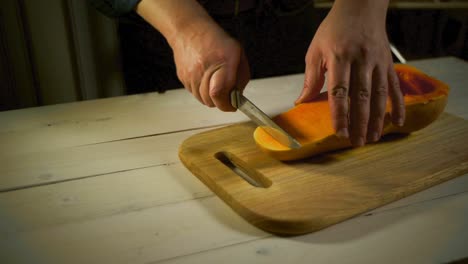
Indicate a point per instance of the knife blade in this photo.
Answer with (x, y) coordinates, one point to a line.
(240, 102)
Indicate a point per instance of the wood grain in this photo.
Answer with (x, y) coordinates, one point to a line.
(111, 119)
(364, 239)
(311, 194)
(28, 169)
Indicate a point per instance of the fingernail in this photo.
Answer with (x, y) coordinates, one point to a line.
(342, 133)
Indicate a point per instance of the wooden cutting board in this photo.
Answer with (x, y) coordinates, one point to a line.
(304, 196)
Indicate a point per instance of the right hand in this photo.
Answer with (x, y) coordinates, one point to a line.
(210, 64)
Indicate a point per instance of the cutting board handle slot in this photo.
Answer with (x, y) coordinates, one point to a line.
(241, 168)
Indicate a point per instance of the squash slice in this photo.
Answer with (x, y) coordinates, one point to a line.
(310, 123)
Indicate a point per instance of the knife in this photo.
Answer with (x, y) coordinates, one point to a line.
(240, 102)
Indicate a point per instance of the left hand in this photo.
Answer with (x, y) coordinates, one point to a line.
(351, 45)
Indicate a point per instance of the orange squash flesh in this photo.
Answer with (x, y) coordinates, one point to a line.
(310, 123)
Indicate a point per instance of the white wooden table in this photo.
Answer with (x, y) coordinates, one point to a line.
(100, 182)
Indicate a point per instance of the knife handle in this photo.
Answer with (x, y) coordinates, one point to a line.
(235, 98)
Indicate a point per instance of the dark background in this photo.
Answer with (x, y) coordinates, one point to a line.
(66, 51)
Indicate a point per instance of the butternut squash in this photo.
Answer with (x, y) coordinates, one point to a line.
(310, 123)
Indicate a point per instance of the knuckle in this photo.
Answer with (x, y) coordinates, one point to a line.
(363, 94)
(395, 84)
(216, 93)
(341, 55)
(364, 50)
(308, 82)
(401, 107)
(342, 52)
(339, 92)
(381, 91)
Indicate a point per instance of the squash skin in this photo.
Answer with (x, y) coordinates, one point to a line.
(421, 110)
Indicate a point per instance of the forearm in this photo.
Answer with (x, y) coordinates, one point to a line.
(174, 18)
(372, 10)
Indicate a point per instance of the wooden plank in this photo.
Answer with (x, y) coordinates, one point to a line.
(28, 169)
(432, 232)
(96, 121)
(120, 220)
(42, 220)
(134, 237)
(308, 195)
(134, 190)
(97, 197)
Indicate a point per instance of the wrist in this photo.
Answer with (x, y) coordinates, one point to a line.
(372, 11)
(189, 31)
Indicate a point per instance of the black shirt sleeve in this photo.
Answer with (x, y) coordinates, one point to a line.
(114, 8)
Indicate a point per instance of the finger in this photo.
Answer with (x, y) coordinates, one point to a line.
(360, 103)
(200, 82)
(378, 104)
(223, 81)
(338, 87)
(396, 98)
(205, 88)
(194, 90)
(219, 91)
(313, 80)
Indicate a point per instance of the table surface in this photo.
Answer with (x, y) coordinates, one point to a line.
(101, 182)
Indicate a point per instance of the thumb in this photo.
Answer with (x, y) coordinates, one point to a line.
(313, 81)
(219, 89)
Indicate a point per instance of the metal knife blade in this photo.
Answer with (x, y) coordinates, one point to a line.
(263, 120)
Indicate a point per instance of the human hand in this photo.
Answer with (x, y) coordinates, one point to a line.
(210, 64)
(351, 46)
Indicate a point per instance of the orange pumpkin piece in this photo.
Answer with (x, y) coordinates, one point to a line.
(310, 123)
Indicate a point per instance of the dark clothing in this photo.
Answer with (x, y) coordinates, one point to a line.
(274, 34)
(114, 8)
